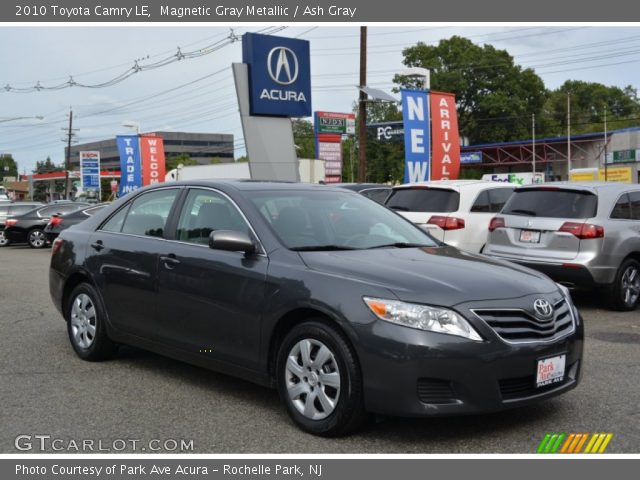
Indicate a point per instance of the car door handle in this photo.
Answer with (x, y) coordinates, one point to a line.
(97, 245)
(170, 261)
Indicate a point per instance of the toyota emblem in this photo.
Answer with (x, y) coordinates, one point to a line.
(282, 65)
(543, 308)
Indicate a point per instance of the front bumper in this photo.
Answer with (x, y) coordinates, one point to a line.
(409, 372)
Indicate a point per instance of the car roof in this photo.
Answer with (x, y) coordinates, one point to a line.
(609, 187)
(455, 184)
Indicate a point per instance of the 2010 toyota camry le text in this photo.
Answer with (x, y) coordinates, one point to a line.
(341, 304)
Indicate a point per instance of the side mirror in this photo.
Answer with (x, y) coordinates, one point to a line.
(232, 241)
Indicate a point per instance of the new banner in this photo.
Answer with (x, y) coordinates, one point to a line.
(153, 163)
(90, 171)
(130, 166)
(445, 137)
(415, 114)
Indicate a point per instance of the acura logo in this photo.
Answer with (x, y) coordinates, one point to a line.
(542, 308)
(282, 65)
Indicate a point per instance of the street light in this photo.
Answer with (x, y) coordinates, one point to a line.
(419, 72)
(132, 124)
(37, 117)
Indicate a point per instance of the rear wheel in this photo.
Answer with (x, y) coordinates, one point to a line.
(4, 241)
(625, 291)
(86, 325)
(319, 380)
(37, 238)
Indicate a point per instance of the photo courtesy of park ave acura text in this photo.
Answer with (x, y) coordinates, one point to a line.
(286, 229)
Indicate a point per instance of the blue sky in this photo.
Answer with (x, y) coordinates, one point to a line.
(160, 99)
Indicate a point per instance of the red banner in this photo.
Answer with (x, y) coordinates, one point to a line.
(152, 152)
(445, 138)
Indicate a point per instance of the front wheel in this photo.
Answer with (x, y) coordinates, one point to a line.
(86, 325)
(37, 238)
(625, 291)
(319, 380)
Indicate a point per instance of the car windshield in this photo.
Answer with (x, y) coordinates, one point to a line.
(421, 199)
(552, 203)
(331, 220)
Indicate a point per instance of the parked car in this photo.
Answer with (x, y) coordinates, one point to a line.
(340, 303)
(374, 191)
(58, 223)
(10, 209)
(29, 227)
(456, 212)
(583, 235)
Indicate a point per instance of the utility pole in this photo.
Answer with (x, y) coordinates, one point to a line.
(362, 109)
(533, 144)
(568, 136)
(605, 144)
(67, 161)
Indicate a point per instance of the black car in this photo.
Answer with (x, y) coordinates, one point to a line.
(341, 304)
(58, 223)
(8, 209)
(29, 227)
(374, 191)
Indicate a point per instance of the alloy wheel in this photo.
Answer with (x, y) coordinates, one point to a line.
(37, 239)
(312, 379)
(83, 320)
(631, 285)
(3, 239)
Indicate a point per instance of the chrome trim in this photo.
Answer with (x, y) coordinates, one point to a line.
(527, 342)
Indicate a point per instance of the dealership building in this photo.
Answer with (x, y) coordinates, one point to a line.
(201, 147)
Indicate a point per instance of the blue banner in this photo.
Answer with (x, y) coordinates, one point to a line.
(279, 75)
(417, 140)
(470, 157)
(130, 164)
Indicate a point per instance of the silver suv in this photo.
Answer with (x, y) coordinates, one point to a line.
(582, 235)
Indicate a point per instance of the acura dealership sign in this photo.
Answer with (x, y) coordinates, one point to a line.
(279, 75)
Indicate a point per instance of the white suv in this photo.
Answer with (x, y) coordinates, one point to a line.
(456, 212)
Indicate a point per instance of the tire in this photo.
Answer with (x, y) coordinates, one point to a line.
(36, 238)
(4, 241)
(86, 325)
(624, 294)
(330, 409)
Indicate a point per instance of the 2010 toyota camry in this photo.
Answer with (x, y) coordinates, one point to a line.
(341, 304)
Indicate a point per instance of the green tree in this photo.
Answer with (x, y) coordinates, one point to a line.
(172, 161)
(304, 138)
(588, 101)
(495, 97)
(8, 167)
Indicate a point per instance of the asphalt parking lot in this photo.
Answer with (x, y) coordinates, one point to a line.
(46, 390)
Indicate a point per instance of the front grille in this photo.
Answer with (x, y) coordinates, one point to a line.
(521, 387)
(519, 326)
(431, 390)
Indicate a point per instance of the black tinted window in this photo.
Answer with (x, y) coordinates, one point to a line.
(499, 197)
(552, 203)
(377, 194)
(482, 203)
(424, 200)
(20, 209)
(635, 205)
(622, 209)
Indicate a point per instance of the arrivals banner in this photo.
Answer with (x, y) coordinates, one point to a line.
(130, 166)
(90, 171)
(445, 150)
(153, 161)
(415, 114)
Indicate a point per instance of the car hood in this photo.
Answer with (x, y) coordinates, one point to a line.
(436, 275)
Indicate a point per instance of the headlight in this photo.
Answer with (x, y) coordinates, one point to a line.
(422, 317)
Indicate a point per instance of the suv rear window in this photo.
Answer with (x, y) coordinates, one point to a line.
(552, 203)
(422, 199)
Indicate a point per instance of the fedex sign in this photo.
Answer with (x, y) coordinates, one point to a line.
(415, 114)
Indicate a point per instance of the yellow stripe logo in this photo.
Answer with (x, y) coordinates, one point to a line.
(574, 443)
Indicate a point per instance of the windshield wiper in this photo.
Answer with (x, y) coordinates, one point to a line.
(397, 207)
(321, 248)
(400, 245)
(522, 211)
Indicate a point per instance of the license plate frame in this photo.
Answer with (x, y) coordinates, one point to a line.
(551, 370)
(530, 236)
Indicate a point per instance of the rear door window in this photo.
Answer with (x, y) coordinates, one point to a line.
(622, 208)
(482, 203)
(552, 203)
(635, 205)
(421, 199)
(149, 212)
(377, 194)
